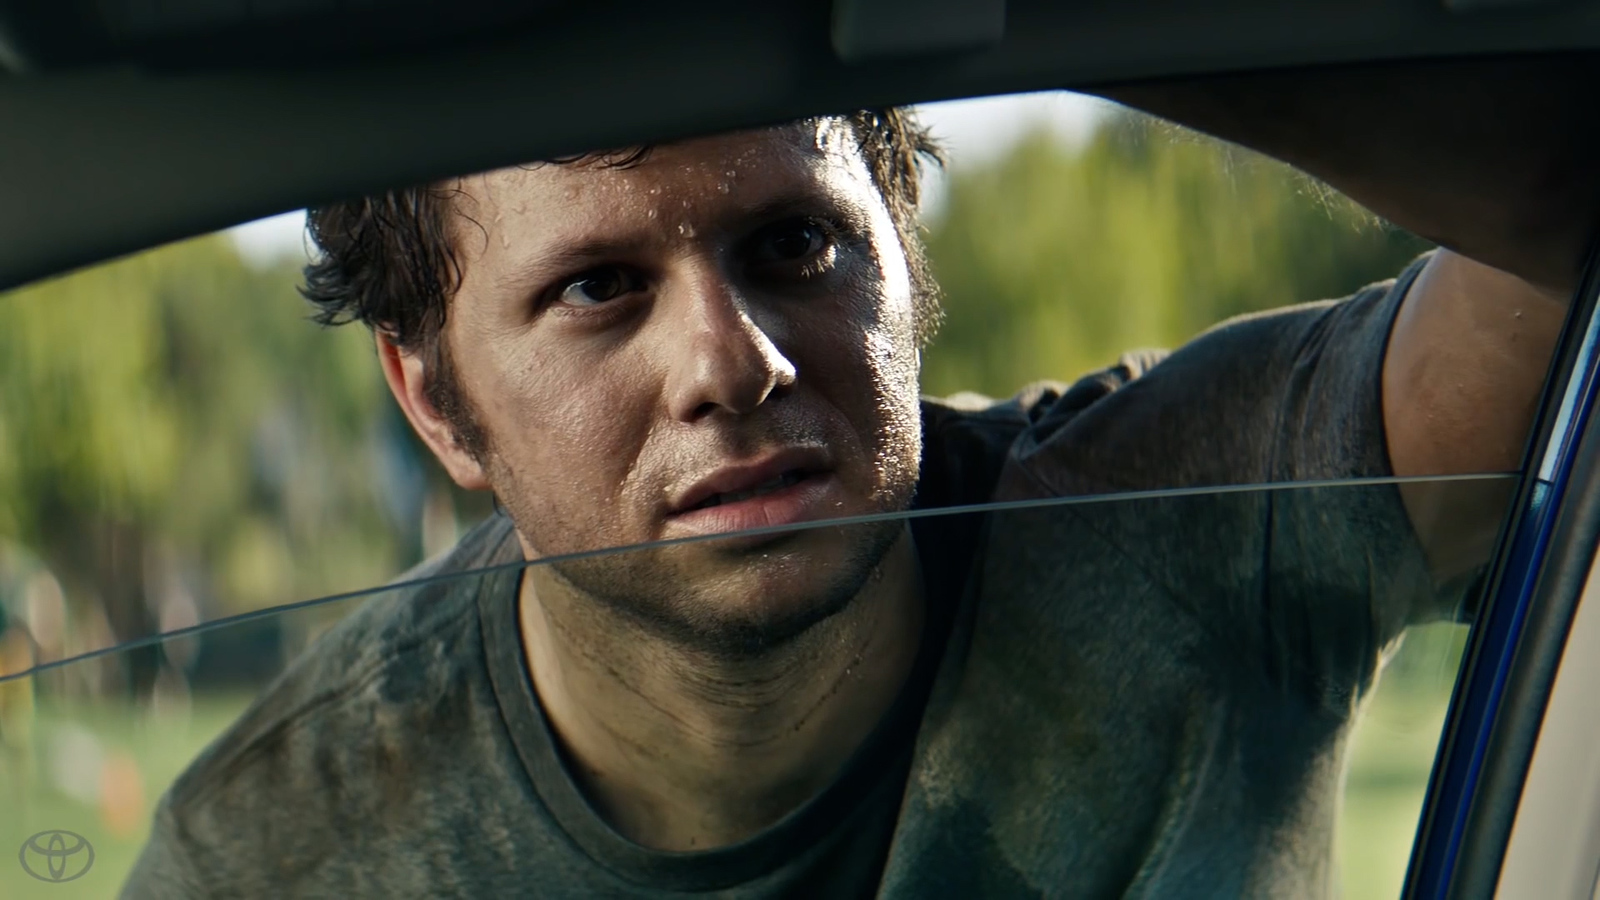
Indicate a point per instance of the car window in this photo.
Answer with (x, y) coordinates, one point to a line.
(86, 768)
(1145, 597)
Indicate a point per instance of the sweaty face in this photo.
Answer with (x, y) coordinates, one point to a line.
(719, 338)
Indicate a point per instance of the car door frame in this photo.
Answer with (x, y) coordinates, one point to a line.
(1535, 580)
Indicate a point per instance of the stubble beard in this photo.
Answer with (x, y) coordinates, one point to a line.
(653, 588)
(682, 612)
(698, 596)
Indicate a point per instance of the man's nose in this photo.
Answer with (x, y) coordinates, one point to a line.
(719, 356)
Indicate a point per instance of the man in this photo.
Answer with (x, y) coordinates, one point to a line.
(1145, 699)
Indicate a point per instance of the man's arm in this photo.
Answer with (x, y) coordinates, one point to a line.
(1467, 358)
(1489, 159)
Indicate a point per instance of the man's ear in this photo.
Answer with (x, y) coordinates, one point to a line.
(407, 376)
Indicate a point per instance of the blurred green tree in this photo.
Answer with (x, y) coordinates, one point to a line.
(1056, 259)
(172, 416)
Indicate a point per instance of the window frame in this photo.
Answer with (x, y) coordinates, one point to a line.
(1534, 582)
(143, 150)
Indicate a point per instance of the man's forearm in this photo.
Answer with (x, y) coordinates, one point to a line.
(1490, 158)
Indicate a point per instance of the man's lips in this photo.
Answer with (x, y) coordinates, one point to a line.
(783, 488)
(787, 479)
(765, 475)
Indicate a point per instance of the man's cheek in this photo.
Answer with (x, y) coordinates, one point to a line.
(559, 524)
(560, 507)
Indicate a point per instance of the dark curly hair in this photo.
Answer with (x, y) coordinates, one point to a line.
(389, 260)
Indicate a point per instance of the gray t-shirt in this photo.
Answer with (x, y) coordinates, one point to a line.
(1135, 698)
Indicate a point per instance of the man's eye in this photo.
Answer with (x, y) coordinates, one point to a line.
(600, 285)
(790, 242)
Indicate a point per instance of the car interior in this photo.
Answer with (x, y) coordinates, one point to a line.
(202, 485)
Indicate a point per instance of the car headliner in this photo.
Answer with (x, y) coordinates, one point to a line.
(120, 136)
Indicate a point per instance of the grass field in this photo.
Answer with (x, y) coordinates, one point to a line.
(133, 758)
(1393, 753)
(118, 762)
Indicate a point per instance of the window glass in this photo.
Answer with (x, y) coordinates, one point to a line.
(1050, 708)
(181, 443)
(1086, 230)
(1391, 755)
(1179, 392)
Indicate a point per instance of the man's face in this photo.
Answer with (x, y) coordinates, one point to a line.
(719, 338)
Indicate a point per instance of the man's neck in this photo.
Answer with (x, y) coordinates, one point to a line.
(681, 751)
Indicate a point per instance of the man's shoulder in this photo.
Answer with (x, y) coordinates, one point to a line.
(968, 437)
(360, 691)
(969, 411)
(417, 606)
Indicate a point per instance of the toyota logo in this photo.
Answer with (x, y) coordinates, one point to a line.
(56, 855)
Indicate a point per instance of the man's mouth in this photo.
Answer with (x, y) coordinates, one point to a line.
(787, 479)
(754, 479)
(784, 488)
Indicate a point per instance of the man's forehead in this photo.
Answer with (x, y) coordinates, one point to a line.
(790, 152)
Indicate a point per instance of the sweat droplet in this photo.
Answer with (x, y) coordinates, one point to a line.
(824, 135)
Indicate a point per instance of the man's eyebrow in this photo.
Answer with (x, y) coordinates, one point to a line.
(585, 252)
(572, 255)
(806, 202)
(567, 257)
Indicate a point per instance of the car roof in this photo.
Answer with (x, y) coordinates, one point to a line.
(129, 123)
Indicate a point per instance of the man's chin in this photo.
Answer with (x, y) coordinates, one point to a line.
(759, 597)
(741, 596)
(746, 633)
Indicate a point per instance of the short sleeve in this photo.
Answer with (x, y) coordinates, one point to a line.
(1311, 571)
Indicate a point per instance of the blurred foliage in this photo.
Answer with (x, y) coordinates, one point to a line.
(1056, 259)
(177, 408)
